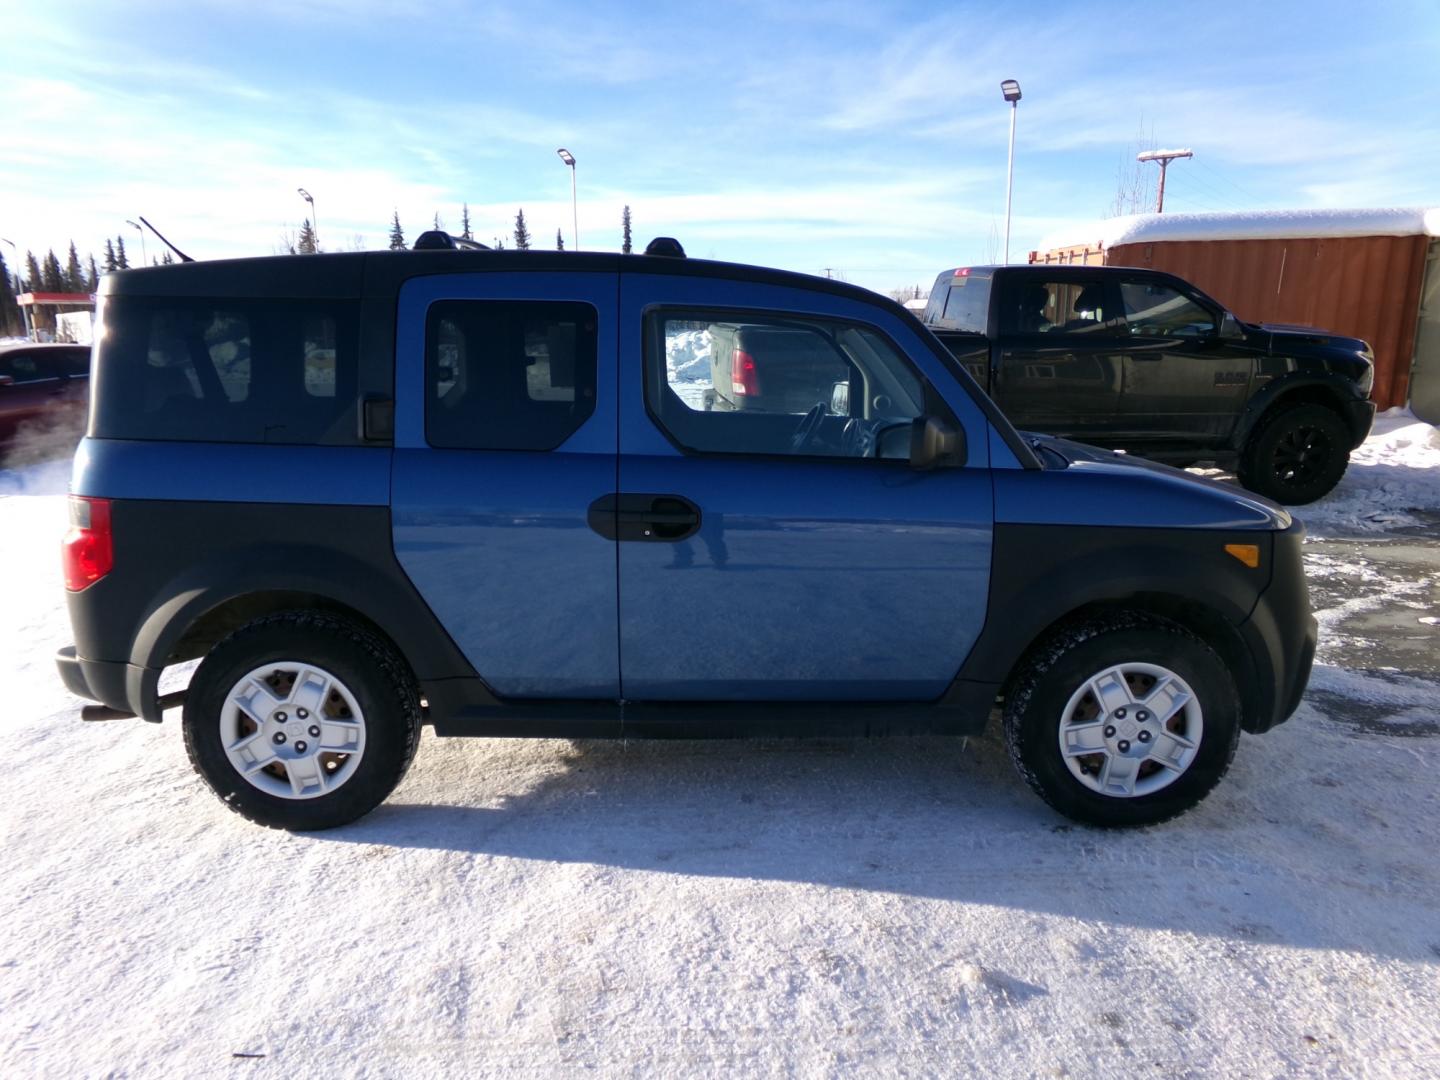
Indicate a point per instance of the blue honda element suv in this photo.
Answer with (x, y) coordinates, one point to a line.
(482, 490)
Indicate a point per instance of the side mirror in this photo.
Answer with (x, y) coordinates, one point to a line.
(934, 443)
(840, 398)
(7, 380)
(1230, 328)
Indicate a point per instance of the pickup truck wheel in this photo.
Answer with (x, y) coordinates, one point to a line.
(1297, 455)
(301, 721)
(1123, 720)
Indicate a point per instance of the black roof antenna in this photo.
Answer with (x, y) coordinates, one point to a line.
(167, 243)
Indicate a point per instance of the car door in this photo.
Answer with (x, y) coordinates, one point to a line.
(504, 436)
(761, 557)
(1059, 353)
(1183, 383)
(33, 384)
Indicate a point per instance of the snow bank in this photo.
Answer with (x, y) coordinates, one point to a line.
(1393, 480)
(687, 354)
(1248, 225)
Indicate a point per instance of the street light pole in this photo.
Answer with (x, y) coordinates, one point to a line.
(24, 311)
(314, 218)
(144, 258)
(1011, 91)
(569, 159)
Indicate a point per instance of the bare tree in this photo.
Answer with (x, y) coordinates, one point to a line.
(287, 244)
(1134, 183)
(992, 244)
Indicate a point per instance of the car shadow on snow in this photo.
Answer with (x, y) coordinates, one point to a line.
(1284, 851)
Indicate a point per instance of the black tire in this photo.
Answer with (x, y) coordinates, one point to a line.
(369, 668)
(1296, 455)
(1036, 701)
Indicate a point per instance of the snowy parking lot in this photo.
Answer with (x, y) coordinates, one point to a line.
(814, 908)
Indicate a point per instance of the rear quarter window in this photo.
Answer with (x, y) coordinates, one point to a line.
(964, 305)
(227, 370)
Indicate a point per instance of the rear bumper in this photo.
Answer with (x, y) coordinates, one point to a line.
(126, 688)
(1281, 634)
(1359, 417)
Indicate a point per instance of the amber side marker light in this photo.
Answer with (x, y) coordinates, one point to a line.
(1249, 554)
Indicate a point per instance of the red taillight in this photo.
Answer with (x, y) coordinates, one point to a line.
(87, 551)
(744, 379)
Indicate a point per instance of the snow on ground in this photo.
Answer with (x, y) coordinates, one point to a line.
(815, 908)
(1393, 479)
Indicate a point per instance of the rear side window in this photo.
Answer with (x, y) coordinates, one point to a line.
(241, 370)
(1030, 305)
(508, 375)
(967, 304)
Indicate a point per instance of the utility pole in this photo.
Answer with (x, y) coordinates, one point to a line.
(1164, 157)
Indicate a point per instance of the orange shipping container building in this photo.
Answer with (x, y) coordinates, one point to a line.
(1372, 274)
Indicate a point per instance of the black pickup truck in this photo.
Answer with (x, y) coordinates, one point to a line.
(1142, 361)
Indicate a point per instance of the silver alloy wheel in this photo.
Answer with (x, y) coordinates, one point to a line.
(1131, 730)
(293, 730)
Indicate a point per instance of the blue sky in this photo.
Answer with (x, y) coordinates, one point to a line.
(869, 138)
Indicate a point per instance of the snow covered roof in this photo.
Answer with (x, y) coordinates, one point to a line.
(1248, 225)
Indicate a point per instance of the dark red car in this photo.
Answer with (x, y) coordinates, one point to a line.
(44, 395)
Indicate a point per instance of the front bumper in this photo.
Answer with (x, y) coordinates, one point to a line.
(1359, 417)
(126, 688)
(1281, 634)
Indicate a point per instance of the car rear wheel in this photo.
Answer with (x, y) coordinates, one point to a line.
(1123, 720)
(1297, 455)
(302, 721)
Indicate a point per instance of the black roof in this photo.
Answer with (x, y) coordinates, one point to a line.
(380, 273)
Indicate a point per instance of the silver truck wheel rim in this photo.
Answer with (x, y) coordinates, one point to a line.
(293, 730)
(1131, 730)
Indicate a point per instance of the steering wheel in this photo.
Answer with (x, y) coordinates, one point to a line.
(858, 438)
(809, 427)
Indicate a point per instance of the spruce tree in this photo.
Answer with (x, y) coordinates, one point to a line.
(465, 232)
(559, 241)
(110, 265)
(74, 276)
(306, 244)
(32, 273)
(10, 320)
(625, 230)
(498, 245)
(52, 278)
(397, 236)
(92, 280)
(439, 225)
(522, 234)
(121, 262)
(166, 259)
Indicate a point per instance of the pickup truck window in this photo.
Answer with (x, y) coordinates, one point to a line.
(1028, 306)
(967, 303)
(1155, 310)
(759, 385)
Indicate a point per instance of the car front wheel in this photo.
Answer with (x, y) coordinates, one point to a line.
(302, 720)
(1123, 720)
(1297, 455)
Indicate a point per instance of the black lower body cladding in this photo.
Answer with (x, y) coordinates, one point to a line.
(187, 573)
(1258, 619)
